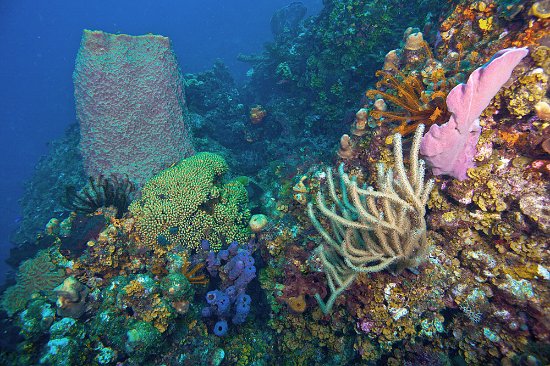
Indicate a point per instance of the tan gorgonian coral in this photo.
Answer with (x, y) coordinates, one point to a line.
(374, 230)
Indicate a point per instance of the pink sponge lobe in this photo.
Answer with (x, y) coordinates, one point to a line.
(450, 148)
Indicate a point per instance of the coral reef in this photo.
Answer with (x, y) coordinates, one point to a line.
(213, 97)
(130, 105)
(286, 20)
(422, 270)
(478, 296)
(45, 190)
(307, 78)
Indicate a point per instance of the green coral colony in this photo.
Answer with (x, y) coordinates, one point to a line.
(427, 245)
(183, 204)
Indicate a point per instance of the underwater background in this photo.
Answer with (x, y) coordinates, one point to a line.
(40, 43)
(333, 182)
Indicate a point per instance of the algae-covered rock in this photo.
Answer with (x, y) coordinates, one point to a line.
(36, 319)
(177, 287)
(67, 327)
(142, 339)
(71, 298)
(61, 352)
(538, 209)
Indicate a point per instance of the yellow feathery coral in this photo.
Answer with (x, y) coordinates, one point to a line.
(187, 203)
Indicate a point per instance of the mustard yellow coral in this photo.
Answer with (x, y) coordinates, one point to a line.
(528, 91)
(541, 56)
(437, 200)
(188, 202)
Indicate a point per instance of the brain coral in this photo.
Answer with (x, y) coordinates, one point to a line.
(130, 104)
(188, 202)
(34, 275)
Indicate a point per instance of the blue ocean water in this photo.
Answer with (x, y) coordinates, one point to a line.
(39, 44)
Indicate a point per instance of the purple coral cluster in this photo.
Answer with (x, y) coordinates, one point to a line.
(235, 267)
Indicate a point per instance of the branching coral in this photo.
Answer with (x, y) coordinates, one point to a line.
(377, 229)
